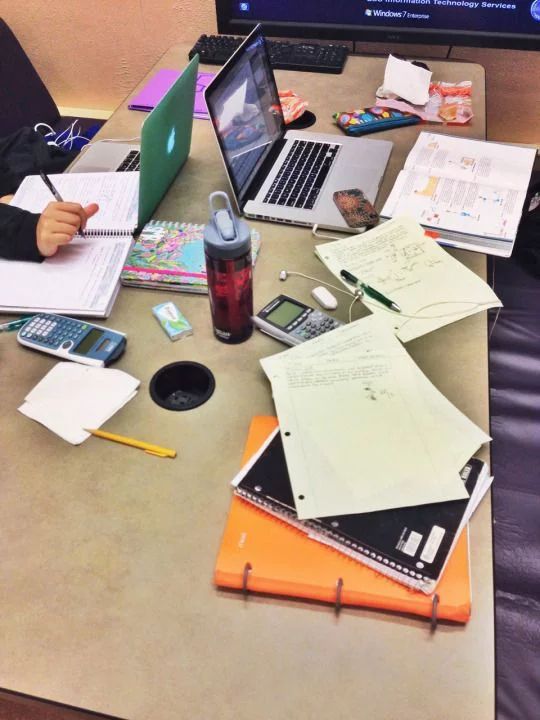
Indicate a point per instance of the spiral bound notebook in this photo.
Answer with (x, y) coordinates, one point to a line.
(170, 256)
(82, 278)
(116, 193)
(411, 545)
(260, 552)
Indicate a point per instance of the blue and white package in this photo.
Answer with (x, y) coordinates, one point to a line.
(172, 321)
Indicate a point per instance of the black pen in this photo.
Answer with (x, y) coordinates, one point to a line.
(371, 292)
(55, 192)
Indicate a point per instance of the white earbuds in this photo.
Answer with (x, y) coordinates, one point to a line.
(356, 293)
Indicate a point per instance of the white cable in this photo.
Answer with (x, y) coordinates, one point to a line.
(359, 295)
(356, 297)
(49, 128)
(493, 288)
(428, 317)
(322, 235)
(64, 139)
(308, 277)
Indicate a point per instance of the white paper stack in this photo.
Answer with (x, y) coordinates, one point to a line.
(72, 397)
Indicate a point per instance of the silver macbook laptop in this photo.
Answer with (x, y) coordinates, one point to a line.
(275, 174)
(164, 147)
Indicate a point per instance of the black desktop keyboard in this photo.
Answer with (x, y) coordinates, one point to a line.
(294, 55)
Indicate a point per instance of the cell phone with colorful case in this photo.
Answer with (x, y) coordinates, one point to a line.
(356, 209)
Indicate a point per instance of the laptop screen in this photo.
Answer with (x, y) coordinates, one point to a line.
(244, 105)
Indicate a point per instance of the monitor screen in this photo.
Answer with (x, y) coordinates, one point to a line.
(478, 23)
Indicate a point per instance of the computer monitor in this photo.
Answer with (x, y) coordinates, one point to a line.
(478, 23)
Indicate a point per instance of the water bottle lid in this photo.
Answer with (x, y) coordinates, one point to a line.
(226, 236)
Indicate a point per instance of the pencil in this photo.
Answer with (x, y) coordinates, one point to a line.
(147, 447)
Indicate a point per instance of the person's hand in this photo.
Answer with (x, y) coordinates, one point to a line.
(6, 199)
(58, 224)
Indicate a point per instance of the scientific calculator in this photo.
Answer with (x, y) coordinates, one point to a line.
(72, 339)
(293, 322)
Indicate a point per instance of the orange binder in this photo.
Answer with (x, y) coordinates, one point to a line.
(262, 553)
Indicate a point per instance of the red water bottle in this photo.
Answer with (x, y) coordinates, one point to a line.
(229, 269)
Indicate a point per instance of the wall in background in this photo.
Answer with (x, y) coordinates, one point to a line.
(90, 55)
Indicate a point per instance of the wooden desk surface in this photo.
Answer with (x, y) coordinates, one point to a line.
(106, 599)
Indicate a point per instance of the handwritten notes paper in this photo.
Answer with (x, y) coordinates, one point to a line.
(431, 287)
(363, 429)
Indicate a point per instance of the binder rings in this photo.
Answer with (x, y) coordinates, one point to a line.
(261, 553)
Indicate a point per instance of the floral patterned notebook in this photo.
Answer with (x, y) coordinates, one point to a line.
(170, 256)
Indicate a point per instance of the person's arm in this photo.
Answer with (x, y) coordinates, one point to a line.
(27, 236)
(18, 234)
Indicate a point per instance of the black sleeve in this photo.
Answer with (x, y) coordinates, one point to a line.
(18, 234)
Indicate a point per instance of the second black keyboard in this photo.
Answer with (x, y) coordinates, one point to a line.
(294, 55)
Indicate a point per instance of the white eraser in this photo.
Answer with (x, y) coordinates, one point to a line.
(324, 297)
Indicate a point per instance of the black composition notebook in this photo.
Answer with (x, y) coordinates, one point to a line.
(411, 545)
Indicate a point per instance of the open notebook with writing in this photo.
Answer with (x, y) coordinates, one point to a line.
(82, 277)
(284, 560)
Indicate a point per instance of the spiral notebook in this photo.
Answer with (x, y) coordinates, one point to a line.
(411, 545)
(260, 552)
(82, 278)
(170, 256)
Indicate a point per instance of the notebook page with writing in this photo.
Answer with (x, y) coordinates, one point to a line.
(353, 398)
(431, 287)
(82, 277)
(117, 195)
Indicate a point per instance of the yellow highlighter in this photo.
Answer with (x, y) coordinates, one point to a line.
(147, 447)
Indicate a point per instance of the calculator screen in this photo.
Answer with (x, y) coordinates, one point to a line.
(88, 341)
(285, 313)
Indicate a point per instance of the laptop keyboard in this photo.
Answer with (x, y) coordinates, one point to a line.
(131, 162)
(302, 175)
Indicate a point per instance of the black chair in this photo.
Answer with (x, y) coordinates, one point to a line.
(24, 98)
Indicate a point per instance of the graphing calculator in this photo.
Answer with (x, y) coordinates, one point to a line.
(292, 322)
(72, 339)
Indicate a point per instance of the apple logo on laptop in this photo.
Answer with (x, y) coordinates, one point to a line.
(171, 141)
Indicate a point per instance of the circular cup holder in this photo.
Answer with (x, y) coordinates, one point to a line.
(306, 119)
(182, 385)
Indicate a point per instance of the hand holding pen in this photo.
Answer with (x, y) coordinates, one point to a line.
(60, 221)
(370, 291)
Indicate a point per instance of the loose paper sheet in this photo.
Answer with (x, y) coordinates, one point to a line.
(361, 426)
(406, 80)
(73, 396)
(431, 287)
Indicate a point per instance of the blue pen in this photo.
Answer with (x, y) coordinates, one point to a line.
(15, 324)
